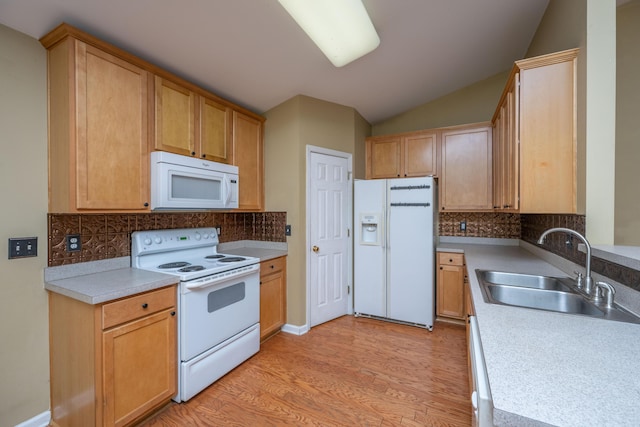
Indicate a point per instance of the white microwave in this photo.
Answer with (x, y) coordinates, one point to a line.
(182, 182)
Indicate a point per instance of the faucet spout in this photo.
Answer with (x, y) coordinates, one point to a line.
(588, 281)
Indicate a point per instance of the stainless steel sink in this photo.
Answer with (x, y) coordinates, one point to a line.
(525, 280)
(563, 302)
(558, 294)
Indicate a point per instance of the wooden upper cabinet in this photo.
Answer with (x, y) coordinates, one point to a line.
(383, 157)
(98, 130)
(190, 123)
(536, 126)
(175, 118)
(419, 157)
(248, 155)
(466, 177)
(548, 151)
(404, 155)
(214, 130)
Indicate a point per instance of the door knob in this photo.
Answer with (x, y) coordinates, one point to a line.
(315, 249)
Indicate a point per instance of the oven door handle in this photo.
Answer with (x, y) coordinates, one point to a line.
(218, 278)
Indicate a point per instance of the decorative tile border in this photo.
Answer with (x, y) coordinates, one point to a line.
(105, 236)
(480, 224)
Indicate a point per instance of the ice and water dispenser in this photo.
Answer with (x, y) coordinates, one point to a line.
(370, 229)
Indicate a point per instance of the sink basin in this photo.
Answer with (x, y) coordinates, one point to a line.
(543, 299)
(558, 294)
(524, 280)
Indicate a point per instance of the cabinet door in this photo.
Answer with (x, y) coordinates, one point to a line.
(466, 170)
(214, 131)
(175, 118)
(140, 362)
(383, 157)
(249, 157)
(112, 170)
(451, 291)
(548, 175)
(419, 157)
(273, 294)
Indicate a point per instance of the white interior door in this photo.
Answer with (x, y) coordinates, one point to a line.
(329, 214)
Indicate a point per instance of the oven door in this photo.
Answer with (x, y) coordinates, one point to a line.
(210, 314)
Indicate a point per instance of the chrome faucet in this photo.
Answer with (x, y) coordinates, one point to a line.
(588, 280)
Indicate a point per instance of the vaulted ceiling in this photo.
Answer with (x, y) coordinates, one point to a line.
(253, 53)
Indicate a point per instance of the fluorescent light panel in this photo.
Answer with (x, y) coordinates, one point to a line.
(341, 29)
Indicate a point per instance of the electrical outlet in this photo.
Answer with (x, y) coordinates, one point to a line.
(463, 225)
(287, 230)
(74, 244)
(23, 247)
(218, 230)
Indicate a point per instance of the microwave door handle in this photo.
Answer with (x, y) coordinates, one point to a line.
(227, 188)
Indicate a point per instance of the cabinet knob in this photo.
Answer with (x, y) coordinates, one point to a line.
(193, 153)
(173, 313)
(145, 305)
(146, 204)
(441, 268)
(273, 266)
(204, 155)
(450, 260)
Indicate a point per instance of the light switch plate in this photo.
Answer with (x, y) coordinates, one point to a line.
(23, 247)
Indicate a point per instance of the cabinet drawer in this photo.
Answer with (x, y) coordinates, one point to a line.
(447, 258)
(137, 306)
(272, 266)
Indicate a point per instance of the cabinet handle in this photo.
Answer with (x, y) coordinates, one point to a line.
(145, 305)
(193, 153)
(450, 260)
(146, 205)
(273, 266)
(441, 268)
(173, 313)
(204, 155)
(261, 282)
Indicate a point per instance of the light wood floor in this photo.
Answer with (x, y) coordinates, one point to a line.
(347, 372)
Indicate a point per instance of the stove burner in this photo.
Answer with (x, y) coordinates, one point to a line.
(174, 264)
(232, 259)
(191, 268)
(217, 256)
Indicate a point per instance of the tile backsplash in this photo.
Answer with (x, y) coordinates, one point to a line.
(106, 236)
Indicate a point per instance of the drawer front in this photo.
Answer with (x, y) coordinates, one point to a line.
(448, 258)
(137, 306)
(272, 265)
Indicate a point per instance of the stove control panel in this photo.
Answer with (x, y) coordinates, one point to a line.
(172, 240)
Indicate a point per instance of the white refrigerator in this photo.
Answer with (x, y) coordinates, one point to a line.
(394, 250)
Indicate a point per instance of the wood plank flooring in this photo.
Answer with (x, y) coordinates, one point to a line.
(347, 372)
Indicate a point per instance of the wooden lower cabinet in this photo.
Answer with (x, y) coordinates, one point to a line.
(114, 363)
(450, 302)
(273, 296)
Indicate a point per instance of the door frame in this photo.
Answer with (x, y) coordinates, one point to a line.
(349, 158)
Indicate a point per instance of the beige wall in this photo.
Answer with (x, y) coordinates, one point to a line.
(472, 104)
(627, 202)
(24, 361)
(289, 128)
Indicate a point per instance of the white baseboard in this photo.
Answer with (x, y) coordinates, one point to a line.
(295, 330)
(40, 420)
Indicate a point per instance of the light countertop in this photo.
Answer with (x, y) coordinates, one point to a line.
(549, 368)
(98, 282)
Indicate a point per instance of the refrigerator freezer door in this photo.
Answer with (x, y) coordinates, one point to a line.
(369, 259)
(410, 252)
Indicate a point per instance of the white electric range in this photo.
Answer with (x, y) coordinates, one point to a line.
(218, 301)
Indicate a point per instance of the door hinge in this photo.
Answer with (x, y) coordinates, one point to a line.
(348, 232)
(348, 290)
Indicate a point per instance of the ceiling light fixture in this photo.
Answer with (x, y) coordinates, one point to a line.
(342, 29)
